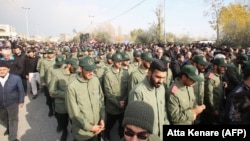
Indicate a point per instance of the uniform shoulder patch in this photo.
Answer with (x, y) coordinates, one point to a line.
(211, 75)
(174, 89)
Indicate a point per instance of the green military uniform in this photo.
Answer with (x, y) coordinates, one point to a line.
(199, 90)
(199, 86)
(115, 89)
(129, 68)
(136, 64)
(39, 63)
(214, 95)
(136, 77)
(139, 74)
(99, 71)
(58, 87)
(181, 99)
(85, 103)
(155, 97)
(45, 65)
(169, 78)
(116, 92)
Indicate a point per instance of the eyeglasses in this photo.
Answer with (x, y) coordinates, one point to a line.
(140, 135)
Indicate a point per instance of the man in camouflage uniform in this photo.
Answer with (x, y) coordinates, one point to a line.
(85, 103)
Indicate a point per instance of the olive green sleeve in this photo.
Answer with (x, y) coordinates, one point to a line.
(101, 103)
(209, 88)
(175, 111)
(108, 91)
(73, 109)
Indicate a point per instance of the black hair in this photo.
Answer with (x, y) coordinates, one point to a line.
(158, 65)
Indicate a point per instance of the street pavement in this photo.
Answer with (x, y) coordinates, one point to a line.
(34, 123)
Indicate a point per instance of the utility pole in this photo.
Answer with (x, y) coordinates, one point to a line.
(27, 19)
(91, 19)
(164, 21)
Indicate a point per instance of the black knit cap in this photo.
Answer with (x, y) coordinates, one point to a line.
(141, 114)
(4, 64)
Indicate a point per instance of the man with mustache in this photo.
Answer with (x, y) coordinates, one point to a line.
(182, 107)
(152, 91)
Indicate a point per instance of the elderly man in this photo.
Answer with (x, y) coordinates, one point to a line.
(11, 97)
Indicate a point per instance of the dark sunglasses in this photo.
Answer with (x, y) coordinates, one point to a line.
(140, 135)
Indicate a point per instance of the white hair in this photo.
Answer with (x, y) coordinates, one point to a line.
(219, 56)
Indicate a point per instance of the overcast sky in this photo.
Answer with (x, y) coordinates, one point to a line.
(53, 17)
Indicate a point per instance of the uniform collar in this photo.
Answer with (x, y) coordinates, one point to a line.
(148, 85)
(178, 83)
(114, 70)
(81, 79)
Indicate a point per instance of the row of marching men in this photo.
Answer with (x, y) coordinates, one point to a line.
(196, 96)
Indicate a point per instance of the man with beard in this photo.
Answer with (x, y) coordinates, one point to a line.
(139, 74)
(57, 90)
(181, 105)
(214, 93)
(200, 63)
(115, 83)
(85, 103)
(152, 91)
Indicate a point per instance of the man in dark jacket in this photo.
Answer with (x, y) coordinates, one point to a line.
(11, 98)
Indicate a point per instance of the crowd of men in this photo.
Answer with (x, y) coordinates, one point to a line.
(90, 86)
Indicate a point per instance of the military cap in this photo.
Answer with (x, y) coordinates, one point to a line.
(96, 59)
(137, 54)
(192, 72)
(242, 57)
(60, 60)
(117, 57)
(147, 56)
(79, 54)
(45, 51)
(118, 51)
(90, 49)
(87, 63)
(125, 57)
(50, 51)
(165, 59)
(100, 53)
(84, 49)
(109, 56)
(220, 62)
(69, 55)
(201, 60)
(65, 50)
(73, 62)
